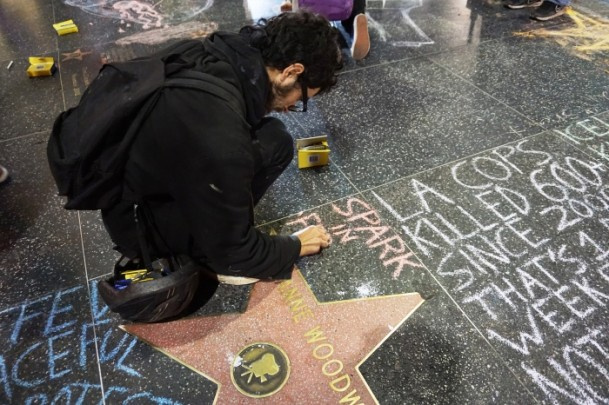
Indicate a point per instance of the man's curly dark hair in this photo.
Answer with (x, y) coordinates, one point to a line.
(300, 37)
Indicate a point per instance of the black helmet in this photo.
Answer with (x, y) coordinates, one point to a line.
(164, 297)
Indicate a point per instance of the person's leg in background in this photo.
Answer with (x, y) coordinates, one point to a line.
(274, 148)
(518, 4)
(357, 27)
(550, 9)
(544, 9)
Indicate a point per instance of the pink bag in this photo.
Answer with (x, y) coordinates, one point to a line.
(333, 10)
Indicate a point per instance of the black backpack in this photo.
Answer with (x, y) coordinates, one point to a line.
(89, 144)
(88, 151)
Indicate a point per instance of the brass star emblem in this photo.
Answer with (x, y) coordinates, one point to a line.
(76, 55)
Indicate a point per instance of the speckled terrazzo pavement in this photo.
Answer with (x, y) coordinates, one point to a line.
(467, 197)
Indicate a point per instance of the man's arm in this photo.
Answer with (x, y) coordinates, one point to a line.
(209, 170)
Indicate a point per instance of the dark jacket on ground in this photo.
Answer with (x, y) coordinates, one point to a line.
(194, 162)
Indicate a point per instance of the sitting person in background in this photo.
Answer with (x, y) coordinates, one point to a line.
(544, 9)
(355, 23)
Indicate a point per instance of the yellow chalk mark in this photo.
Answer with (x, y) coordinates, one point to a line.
(588, 39)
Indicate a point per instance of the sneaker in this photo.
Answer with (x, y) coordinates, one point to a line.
(361, 38)
(3, 174)
(548, 10)
(517, 4)
(225, 279)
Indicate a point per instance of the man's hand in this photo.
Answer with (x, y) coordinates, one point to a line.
(312, 239)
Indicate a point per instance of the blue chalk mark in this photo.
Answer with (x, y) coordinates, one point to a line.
(69, 390)
(139, 395)
(53, 356)
(22, 318)
(56, 310)
(84, 342)
(110, 390)
(149, 396)
(4, 378)
(64, 396)
(104, 355)
(15, 373)
(86, 387)
(5, 310)
(125, 368)
(38, 399)
(68, 396)
(98, 307)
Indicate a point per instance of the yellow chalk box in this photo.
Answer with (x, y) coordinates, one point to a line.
(312, 151)
(41, 66)
(65, 27)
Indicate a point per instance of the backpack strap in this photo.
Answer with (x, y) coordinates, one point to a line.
(189, 79)
(210, 84)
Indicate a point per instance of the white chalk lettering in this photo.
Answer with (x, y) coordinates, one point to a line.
(543, 188)
(581, 265)
(503, 172)
(570, 303)
(564, 221)
(477, 223)
(504, 294)
(393, 211)
(550, 388)
(590, 131)
(484, 256)
(421, 189)
(536, 262)
(501, 244)
(504, 157)
(579, 166)
(529, 283)
(599, 150)
(547, 156)
(454, 170)
(565, 178)
(522, 206)
(421, 243)
(584, 240)
(478, 298)
(519, 238)
(464, 275)
(523, 234)
(549, 316)
(595, 295)
(534, 337)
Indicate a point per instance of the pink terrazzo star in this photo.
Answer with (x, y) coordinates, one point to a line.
(287, 348)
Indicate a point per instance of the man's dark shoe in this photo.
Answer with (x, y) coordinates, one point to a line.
(548, 10)
(517, 4)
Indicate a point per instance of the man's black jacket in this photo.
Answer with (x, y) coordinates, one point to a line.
(194, 162)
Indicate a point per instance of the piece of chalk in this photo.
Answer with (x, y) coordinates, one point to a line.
(318, 146)
(65, 27)
(9, 65)
(41, 69)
